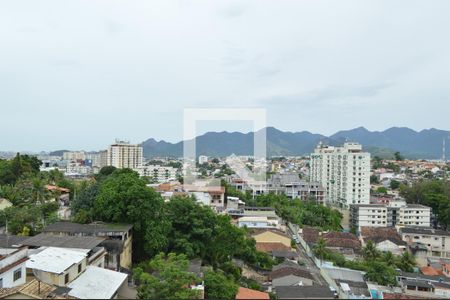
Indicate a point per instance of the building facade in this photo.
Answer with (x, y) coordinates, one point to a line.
(159, 174)
(344, 172)
(125, 155)
(396, 213)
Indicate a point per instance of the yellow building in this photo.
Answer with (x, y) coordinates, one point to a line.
(272, 236)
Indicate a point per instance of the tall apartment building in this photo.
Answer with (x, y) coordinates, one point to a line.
(344, 172)
(125, 155)
(396, 213)
(99, 159)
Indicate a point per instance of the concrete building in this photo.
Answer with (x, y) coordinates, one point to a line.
(57, 266)
(74, 155)
(202, 159)
(98, 159)
(434, 242)
(159, 174)
(344, 172)
(124, 155)
(395, 213)
(294, 188)
(12, 267)
(118, 242)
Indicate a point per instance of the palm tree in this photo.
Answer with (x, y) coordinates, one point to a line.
(389, 258)
(39, 190)
(320, 249)
(407, 262)
(370, 251)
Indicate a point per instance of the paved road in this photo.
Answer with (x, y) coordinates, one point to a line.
(309, 263)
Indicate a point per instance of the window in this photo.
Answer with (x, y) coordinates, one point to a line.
(66, 279)
(79, 268)
(17, 274)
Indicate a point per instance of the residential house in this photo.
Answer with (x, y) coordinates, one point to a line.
(99, 283)
(385, 239)
(12, 267)
(419, 285)
(304, 292)
(90, 245)
(426, 242)
(288, 276)
(57, 266)
(349, 284)
(118, 239)
(249, 294)
(272, 236)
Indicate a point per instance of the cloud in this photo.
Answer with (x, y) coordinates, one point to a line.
(326, 96)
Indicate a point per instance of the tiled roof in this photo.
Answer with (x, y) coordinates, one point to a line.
(245, 293)
(269, 247)
(332, 239)
(290, 271)
(379, 234)
(310, 235)
(304, 292)
(430, 271)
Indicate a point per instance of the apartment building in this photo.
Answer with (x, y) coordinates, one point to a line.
(202, 159)
(294, 188)
(395, 213)
(124, 155)
(344, 172)
(98, 159)
(159, 174)
(435, 242)
(74, 155)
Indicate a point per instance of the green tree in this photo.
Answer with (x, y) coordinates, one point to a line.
(374, 179)
(398, 156)
(381, 190)
(394, 184)
(320, 249)
(406, 262)
(218, 286)
(166, 277)
(123, 197)
(380, 273)
(370, 251)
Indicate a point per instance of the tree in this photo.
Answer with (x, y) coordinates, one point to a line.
(374, 179)
(394, 184)
(398, 156)
(381, 190)
(218, 286)
(166, 277)
(123, 197)
(407, 262)
(380, 273)
(370, 251)
(320, 249)
(389, 258)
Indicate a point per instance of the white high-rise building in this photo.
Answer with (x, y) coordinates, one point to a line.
(344, 172)
(125, 155)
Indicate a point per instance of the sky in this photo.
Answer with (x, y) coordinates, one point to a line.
(79, 74)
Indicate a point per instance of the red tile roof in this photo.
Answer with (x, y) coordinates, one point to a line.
(429, 271)
(245, 293)
(269, 247)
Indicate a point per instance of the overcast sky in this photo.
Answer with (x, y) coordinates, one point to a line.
(78, 74)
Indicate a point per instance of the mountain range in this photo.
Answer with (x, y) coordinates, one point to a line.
(426, 143)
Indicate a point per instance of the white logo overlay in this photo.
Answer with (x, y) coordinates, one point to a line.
(257, 175)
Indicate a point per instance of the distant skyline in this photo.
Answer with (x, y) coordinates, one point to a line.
(77, 75)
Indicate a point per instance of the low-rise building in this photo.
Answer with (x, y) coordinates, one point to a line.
(118, 239)
(395, 213)
(433, 242)
(157, 173)
(385, 239)
(294, 188)
(12, 267)
(57, 266)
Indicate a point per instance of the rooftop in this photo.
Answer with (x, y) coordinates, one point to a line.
(49, 240)
(71, 227)
(424, 230)
(304, 292)
(11, 241)
(55, 260)
(97, 283)
(245, 293)
(270, 247)
(291, 271)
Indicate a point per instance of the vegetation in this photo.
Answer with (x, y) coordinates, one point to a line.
(433, 193)
(296, 211)
(379, 267)
(166, 277)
